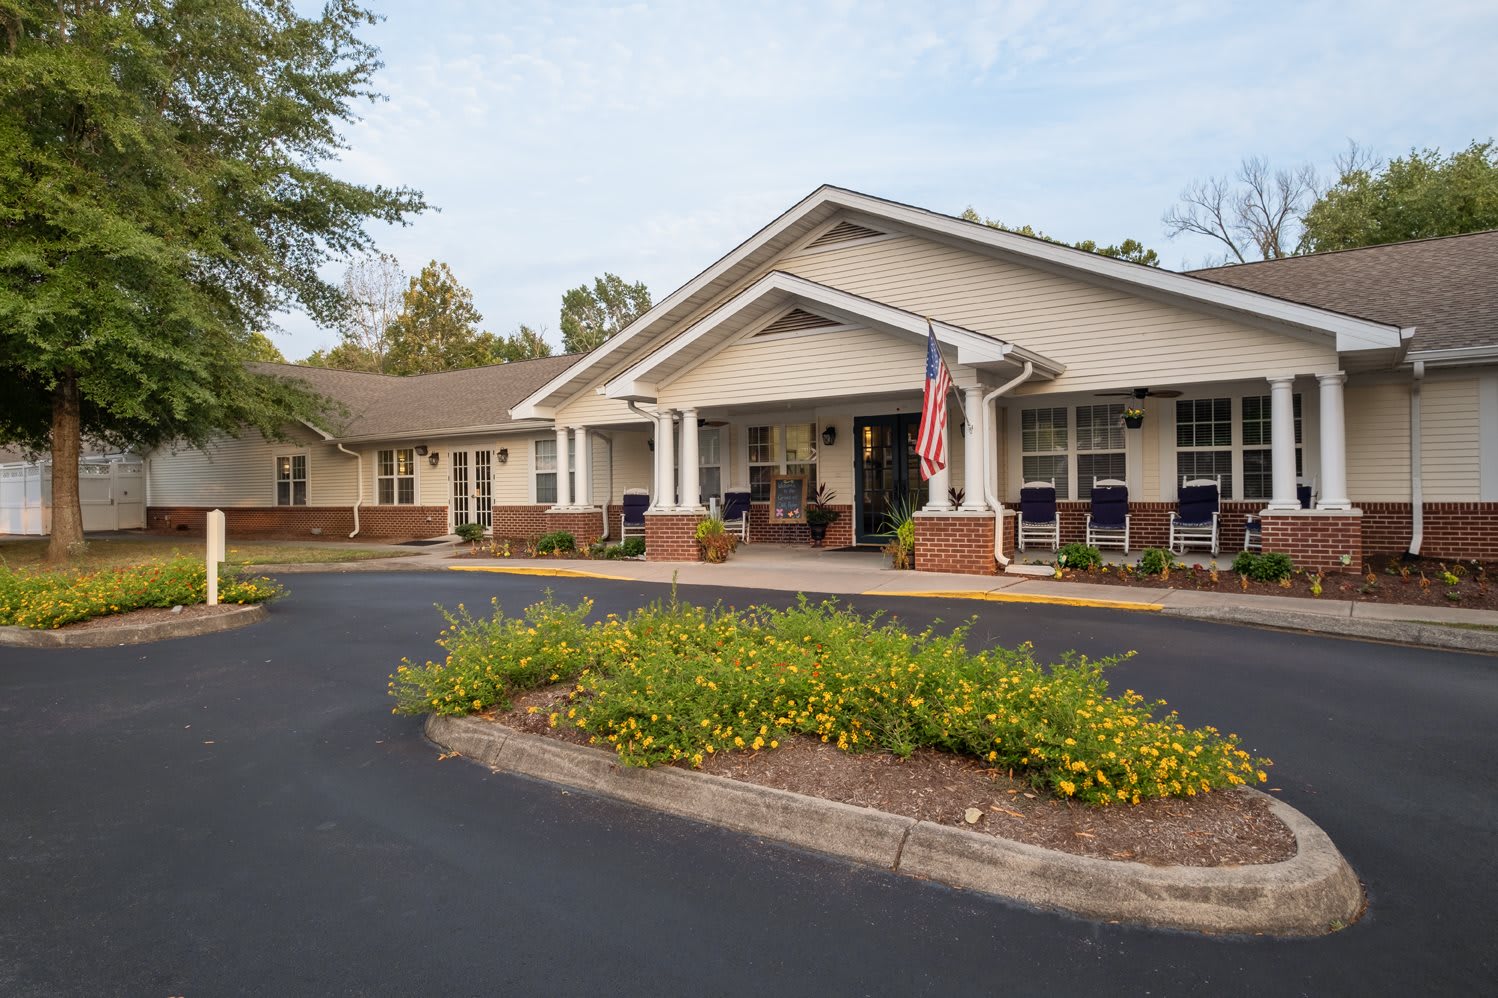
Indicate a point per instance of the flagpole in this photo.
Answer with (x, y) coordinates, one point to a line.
(955, 391)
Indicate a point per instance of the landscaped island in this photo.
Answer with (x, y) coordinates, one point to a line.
(48, 600)
(676, 683)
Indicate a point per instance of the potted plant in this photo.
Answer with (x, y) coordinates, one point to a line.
(1133, 417)
(819, 514)
(715, 540)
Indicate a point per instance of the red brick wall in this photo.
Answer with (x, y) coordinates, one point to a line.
(672, 537)
(585, 528)
(1315, 540)
(1452, 529)
(955, 543)
(335, 522)
(520, 522)
(762, 531)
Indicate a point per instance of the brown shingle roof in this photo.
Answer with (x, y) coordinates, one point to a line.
(1447, 288)
(380, 404)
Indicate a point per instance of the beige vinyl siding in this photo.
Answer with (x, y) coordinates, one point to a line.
(1378, 442)
(592, 409)
(1107, 338)
(634, 463)
(1450, 461)
(241, 472)
(816, 366)
(1149, 445)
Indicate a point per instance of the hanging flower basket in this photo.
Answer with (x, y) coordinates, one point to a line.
(1133, 418)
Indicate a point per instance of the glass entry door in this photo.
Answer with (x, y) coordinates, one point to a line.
(473, 488)
(886, 473)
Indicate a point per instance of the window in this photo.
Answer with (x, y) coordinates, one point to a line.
(546, 469)
(395, 477)
(291, 480)
(1100, 445)
(710, 462)
(1258, 472)
(777, 450)
(1204, 441)
(1043, 446)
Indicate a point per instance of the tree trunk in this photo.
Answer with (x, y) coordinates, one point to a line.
(67, 510)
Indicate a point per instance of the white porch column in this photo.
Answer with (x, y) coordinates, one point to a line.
(1333, 444)
(564, 484)
(665, 452)
(691, 491)
(1282, 442)
(972, 452)
(939, 484)
(584, 441)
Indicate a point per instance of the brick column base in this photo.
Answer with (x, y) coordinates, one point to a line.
(585, 526)
(672, 536)
(955, 542)
(1316, 539)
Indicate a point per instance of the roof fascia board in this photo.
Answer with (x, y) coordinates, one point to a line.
(517, 426)
(1453, 355)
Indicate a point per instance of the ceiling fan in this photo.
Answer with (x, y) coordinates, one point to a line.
(712, 422)
(1143, 393)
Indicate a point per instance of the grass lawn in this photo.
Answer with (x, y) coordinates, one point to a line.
(115, 552)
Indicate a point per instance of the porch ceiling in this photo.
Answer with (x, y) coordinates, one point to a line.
(777, 293)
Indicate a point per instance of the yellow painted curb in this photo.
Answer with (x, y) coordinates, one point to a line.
(1005, 597)
(564, 573)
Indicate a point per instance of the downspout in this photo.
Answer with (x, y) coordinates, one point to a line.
(990, 456)
(1417, 490)
(359, 485)
(655, 465)
(608, 492)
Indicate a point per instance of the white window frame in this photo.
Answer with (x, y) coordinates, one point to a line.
(720, 433)
(780, 464)
(537, 470)
(306, 478)
(415, 477)
(1308, 448)
(1266, 446)
(1074, 461)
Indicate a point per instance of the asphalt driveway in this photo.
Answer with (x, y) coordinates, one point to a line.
(241, 814)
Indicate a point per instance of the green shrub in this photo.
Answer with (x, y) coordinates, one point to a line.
(678, 683)
(556, 542)
(632, 547)
(1267, 567)
(45, 600)
(1082, 557)
(470, 532)
(1153, 561)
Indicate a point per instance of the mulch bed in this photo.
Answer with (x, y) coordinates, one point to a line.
(1216, 829)
(1476, 590)
(149, 615)
(522, 549)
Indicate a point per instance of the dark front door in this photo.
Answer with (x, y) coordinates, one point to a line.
(886, 474)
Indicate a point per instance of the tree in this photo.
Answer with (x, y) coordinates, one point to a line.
(437, 328)
(1130, 249)
(524, 343)
(162, 194)
(373, 286)
(591, 316)
(259, 347)
(1254, 214)
(1424, 194)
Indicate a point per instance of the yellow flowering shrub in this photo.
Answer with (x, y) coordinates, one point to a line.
(45, 600)
(678, 683)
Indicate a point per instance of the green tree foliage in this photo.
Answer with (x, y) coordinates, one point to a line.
(259, 347)
(524, 343)
(1415, 197)
(162, 194)
(437, 328)
(591, 315)
(1130, 249)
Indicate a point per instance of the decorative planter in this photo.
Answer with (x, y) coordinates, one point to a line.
(818, 532)
(1133, 422)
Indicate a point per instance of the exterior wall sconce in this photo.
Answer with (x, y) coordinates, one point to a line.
(421, 450)
(432, 458)
(504, 455)
(829, 435)
(650, 443)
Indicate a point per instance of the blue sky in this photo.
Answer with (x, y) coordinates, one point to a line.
(647, 139)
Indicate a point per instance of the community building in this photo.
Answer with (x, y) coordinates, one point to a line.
(1346, 403)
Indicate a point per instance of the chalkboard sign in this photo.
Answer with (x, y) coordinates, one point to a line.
(788, 499)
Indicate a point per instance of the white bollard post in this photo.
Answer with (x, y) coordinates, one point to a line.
(215, 525)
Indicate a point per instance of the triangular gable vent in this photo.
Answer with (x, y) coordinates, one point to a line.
(843, 232)
(796, 320)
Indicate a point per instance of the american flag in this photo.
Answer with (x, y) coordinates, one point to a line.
(930, 442)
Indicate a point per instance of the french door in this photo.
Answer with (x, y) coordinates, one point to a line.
(473, 488)
(886, 472)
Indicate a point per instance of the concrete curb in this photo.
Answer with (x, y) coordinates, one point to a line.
(1395, 631)
(560, 573)
(1312, 893)
(134, 634)
(1006, 596)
